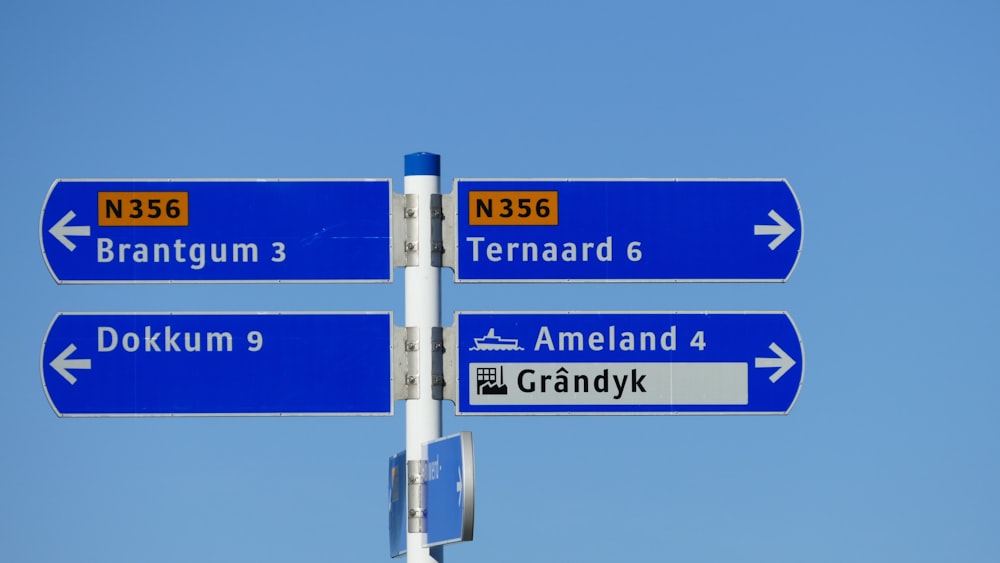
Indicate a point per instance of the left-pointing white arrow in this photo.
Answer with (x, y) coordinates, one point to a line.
(62, 231)
(458, 486)
(783, 362)
(63, 364)
(781, 229)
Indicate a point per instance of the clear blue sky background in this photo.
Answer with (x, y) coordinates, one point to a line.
(884, 117)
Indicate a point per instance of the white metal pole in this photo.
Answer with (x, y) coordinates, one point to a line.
(422, 177)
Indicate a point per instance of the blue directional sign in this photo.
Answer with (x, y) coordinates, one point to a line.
(628, 363)
(118, 231)
(450, 489)
(148, 364)
(397, 504)
(626, 230)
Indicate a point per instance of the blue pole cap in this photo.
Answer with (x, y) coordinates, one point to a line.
(422, 164)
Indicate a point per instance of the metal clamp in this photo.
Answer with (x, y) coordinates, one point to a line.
(398, 231)
(400, 389)
(408, 206)
(449, 367)
(416, 496)
(411, 230)
(437, 362)
(411, 381)
(408, 363)
(437, 218)
(448, 230)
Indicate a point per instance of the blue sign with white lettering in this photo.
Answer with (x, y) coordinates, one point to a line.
(626, 230)
(148, 364)
(628, 363)
(118, 231)
(450, 489)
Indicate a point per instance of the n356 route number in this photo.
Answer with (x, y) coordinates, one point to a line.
(142, 209)
(536, 208)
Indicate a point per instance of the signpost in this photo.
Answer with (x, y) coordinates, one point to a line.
(626, 230)
(121, 231)
(149, 364)
(627, 363)
(451, 479)
(514, 230)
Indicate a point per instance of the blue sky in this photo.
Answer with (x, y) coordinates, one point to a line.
(883, 116)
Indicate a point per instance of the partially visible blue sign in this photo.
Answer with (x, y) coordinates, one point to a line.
(148, 364)
(628, 363)
(397, 504)
(450, 489)
(118, 231)
(626, 230)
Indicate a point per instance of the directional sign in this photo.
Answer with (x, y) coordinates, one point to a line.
(627, 363)
(626, 230)
(397, 504)
(117, 231)
(450, 489)
(148, 364)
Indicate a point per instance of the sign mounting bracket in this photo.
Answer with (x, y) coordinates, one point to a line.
(450, 365)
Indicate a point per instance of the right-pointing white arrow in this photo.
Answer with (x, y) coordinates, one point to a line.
(783, 362)
(63, 364)
(781, 228)
(62, 232)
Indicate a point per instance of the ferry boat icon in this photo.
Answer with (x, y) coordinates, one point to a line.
(493, 342)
